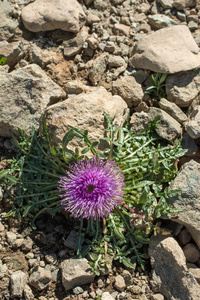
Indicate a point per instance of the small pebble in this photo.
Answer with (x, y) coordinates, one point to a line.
(127, 277)
(184, 236)
(191, 252)
(100, 283)
(78, 290)
(29, 255)
(114, 294)
(119, 283)
(93, 295)
(42, 264)
(2, 228)
(157, 297)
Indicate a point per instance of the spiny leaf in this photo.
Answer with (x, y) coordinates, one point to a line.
(85, 150)
(4, 173)
(67, 138)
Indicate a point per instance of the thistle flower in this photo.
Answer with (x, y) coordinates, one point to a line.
(92, 188)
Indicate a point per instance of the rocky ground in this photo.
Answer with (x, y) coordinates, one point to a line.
(71, 61)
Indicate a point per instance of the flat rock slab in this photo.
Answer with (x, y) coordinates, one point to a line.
(24, 95)
(43, 15)
(173, 110)
(76, 272)
(168, 50)
(85, 111)
(188, 201)
(170, 273)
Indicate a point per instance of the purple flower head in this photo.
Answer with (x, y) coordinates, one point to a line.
(92, 188)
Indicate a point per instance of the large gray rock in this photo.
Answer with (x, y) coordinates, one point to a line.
(168, 127)
(85, 111)
(24, 95)
(188, 201)
(183, 88)
(193, 125)
(76, 272)
(7, 24)
(43, 15)
(168, 50)
(170, 273)
(128, 88)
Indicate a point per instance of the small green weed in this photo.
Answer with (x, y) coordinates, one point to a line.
(3, 60)
(157, 89)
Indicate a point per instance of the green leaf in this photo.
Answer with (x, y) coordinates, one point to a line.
(173, 193)
(163, 78)
(152, 87)
(107, 150)
(86, 133)
(117, 232)
(105, 138)
(77, 132)
(101, 156)
(85, 150)
(27, 210)
(120, 136)
(143, 197)
(12, 179)
(94, 144)
(84, 251)
(126, 262)
(4, 173)
(108, 120)
(67, 138)
(3, 60)
(142, 239)
(181, 152)
(165, 164)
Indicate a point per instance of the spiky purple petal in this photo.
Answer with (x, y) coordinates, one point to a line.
(92, 188)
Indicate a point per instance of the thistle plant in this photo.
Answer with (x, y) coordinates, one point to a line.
(115, 196)
(157, 89)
